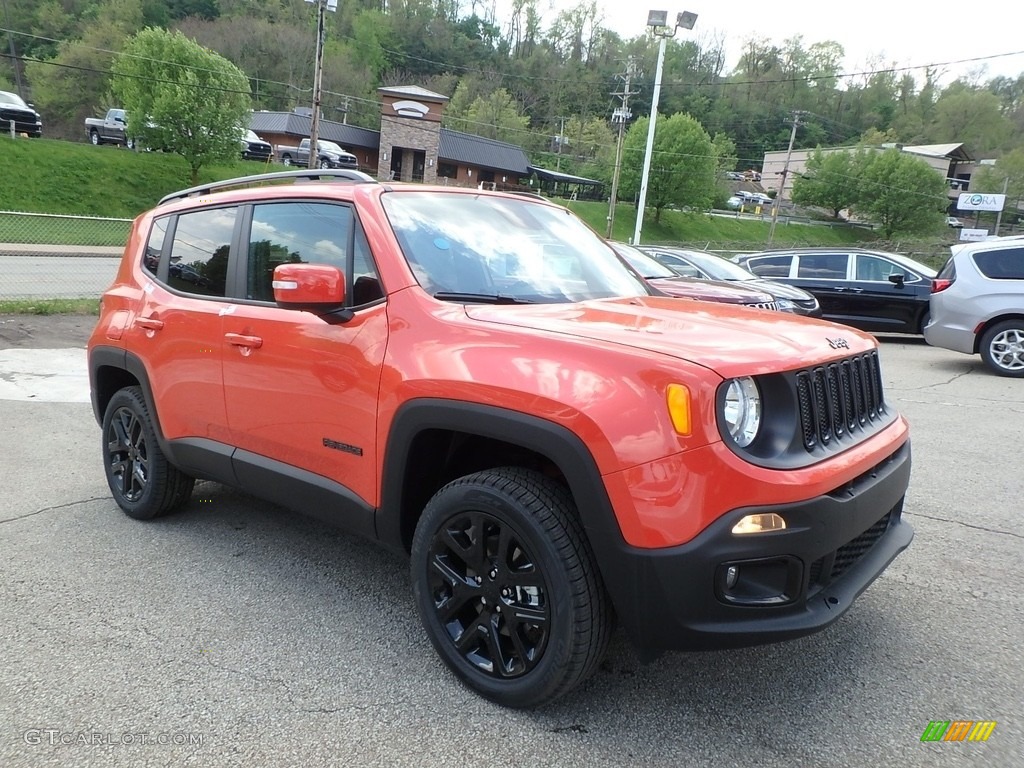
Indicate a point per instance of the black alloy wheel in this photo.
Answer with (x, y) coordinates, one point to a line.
(144, 484)
(506, 586)
(489, 594)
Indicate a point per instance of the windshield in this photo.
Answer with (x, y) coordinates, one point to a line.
(251, 136)
(716, 267)
(642, 263)
(506, 248)
(330, 146)
(12, 98)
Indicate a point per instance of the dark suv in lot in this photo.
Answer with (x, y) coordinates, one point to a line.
(874, 291)
(476, 379)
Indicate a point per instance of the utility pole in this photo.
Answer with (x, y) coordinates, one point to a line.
(14, 58)
(999, 216)
(785, 173)
(621, 115)
(561, 138)
(318, 74)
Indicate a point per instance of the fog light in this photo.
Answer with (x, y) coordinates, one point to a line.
(759, 524)
(732, 575)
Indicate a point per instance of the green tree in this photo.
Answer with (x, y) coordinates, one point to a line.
(74, 84)
(181, 97)
(494, 116)
(829, 182)
(1009, 169)
(682, 163)
(900, 192)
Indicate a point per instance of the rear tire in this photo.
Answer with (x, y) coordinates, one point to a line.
(144, 484)
(94, 137)
(1002, 348)
(286, 159)
(506, 586)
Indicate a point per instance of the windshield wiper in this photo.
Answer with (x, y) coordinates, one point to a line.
(481, 298)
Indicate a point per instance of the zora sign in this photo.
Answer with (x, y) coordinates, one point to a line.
(972, 202)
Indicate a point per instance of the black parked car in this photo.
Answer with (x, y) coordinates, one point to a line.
(26, 119)
(707, 266)
(255, 148)
(875, 291)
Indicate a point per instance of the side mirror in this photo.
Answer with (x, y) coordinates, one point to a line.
(315, 287)
(897, 280)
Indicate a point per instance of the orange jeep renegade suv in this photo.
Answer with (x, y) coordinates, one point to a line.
(476, 379)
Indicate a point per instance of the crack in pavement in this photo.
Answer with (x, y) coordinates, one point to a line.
(51, 509)
(966, 525)
(937, 383)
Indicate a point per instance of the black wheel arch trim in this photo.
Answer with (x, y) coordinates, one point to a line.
(123, 360)
(546, 438)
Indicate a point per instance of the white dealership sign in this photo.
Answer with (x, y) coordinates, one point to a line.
(973, 234)
(968, 201)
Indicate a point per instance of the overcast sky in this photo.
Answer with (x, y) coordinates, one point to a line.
(904, 32)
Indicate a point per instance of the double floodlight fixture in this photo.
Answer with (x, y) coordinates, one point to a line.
(658, 20)
(331, 5)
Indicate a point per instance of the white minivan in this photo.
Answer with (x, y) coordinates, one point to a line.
(977, 303)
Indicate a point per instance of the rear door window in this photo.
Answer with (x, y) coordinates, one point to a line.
(822, 266)
(200, 250)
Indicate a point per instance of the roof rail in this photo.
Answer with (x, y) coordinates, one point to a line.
(314, 174)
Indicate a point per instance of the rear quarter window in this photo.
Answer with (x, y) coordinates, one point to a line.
(1003, 264)
(770, 266)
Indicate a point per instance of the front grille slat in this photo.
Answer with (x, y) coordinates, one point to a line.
(838, 400)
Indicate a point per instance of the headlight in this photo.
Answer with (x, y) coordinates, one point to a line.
(785, 305)
(741, 411)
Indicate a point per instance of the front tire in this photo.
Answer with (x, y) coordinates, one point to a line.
(506, 586)
(1002, 348)
(144, 484)
(325, 164)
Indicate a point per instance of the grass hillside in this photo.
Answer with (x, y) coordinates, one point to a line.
(49, 176)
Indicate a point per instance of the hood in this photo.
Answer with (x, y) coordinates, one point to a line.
(779, 290)
(731, 342)
(709, 290)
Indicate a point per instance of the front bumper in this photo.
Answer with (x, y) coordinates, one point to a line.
(790, 583)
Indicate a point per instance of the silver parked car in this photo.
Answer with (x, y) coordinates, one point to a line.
(977, 304)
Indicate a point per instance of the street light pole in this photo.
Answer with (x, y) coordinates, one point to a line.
(657, 20)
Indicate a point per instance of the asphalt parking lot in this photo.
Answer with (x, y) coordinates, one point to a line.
(235, 634)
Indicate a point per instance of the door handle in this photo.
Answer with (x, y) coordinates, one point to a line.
(241, 340)
(150, 323)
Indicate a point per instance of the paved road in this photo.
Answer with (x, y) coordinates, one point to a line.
(278, 642)
(37, 273)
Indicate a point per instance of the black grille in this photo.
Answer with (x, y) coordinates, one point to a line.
(838, 562)
(838, 399)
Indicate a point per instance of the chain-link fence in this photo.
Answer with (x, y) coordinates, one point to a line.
(48, 256)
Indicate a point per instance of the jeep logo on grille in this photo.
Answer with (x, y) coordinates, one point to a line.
(838, 343)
